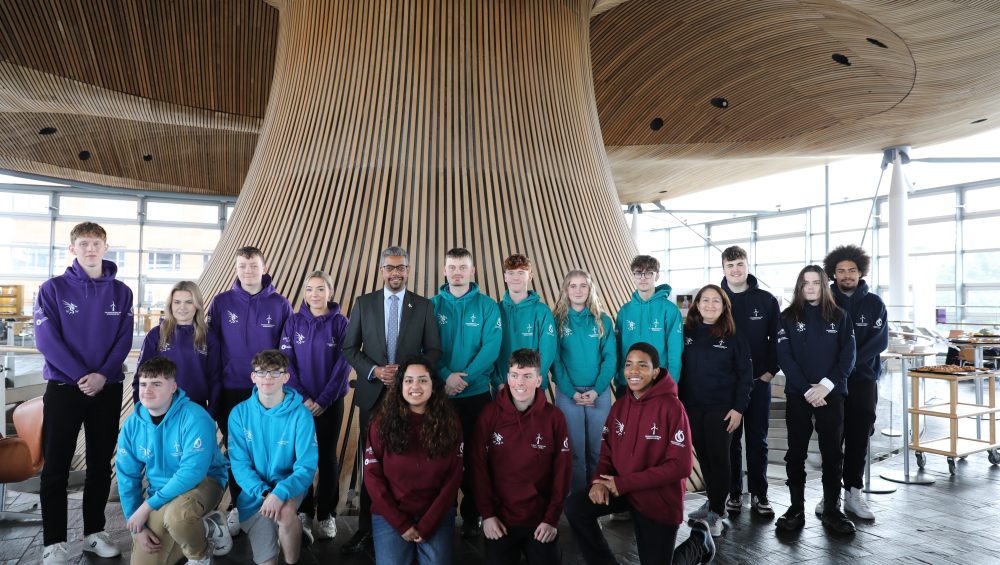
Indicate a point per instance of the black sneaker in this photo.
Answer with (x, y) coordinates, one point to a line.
(700, 528)
(792, 521)
(760, 505)
(835, 519)
(734, 504)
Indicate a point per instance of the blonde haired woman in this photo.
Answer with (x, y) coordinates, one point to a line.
(182, 336)
(586, 363)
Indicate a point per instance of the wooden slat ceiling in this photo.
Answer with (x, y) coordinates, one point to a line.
(114, 77)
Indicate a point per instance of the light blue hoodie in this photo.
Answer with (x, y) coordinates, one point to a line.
(176, 454)
(656, 321)
(271, 449)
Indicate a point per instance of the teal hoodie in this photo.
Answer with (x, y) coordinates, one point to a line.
(586, 359)
(174, 455)
(528, 324)
(656, 321)
(471, 333)
(271, 449)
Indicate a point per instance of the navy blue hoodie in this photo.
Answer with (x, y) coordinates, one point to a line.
(84, 325)
(756, 314)
(871, 332)
(244, 325)
(716, 374)
(812, 349)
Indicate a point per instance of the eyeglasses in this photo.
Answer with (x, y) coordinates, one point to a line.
(395, 268)
(270, 374)
(644, 275)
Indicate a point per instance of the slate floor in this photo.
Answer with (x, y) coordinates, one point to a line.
(954, 521)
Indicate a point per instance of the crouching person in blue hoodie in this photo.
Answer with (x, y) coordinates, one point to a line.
(171, 441)
(273, 453)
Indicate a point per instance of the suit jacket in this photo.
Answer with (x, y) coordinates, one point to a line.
(364, 346)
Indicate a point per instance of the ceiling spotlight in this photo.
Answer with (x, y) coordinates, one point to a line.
(979, 121)
(47, 131)
(656, 124)
(877, 43)
(842, 59)
(719, 102)
(84, 155)
(147, 157)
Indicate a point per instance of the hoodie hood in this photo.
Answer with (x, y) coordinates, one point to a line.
(860, 292)
(663, 386)
(75, 272)
(662, 291)
(334, 310)
(291, 401)
(528, 302)
(176, 405)
(445, 292)
(266, 289)
(509, 410)
(752, 284)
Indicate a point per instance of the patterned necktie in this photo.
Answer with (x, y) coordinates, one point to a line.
(393, 334)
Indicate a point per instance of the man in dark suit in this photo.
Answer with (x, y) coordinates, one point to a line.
(387, 327)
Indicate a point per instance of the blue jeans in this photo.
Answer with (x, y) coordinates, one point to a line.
(585, 424)
(392, 549)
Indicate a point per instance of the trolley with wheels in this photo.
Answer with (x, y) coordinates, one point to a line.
(955, 445)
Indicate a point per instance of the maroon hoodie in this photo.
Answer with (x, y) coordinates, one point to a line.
(647, 447)
(409, 489)
(521, 462)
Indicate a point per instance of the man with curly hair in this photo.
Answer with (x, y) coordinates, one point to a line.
(847, 266)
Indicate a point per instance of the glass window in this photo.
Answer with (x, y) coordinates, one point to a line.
(940, 267)
(24, 203)
(781, 250)
(229, 211)
(982, 297)
(685, 281)
(980, 233)
(173, 265)
(163, 262)
(689, 258)
(685, 237)
(982, 267)
(982, 199)
(715, 275)
(922, 238)
(98, 207)
(775, 225)
(181, 239)
(780, 277)
(22, 230)
(25, 259)
(119, 235)
(850, 215)
(929, 206)
(818, 217)
(653, 239)
(730, 231)
(181, 212)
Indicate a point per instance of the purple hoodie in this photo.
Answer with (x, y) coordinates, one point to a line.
(197, 370)
(313, 345)
(245, 325)
(84, 325)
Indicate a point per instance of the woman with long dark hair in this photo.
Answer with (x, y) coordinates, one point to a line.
(311, 339)
(815, 349)
(413, 468)
(716, 377)
(183, 337)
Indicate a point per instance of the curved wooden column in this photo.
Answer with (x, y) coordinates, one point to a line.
(430, 124)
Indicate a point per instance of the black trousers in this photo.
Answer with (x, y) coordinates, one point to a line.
(859, 425)
(469, 409)
(323, 502)
(654, 540)
(711, 444)
(66, 409)
(829, 426)
(754, 427)
(228, 400)
(521, 540)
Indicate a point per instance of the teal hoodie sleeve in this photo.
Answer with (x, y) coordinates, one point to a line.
(240, 460)
(560, 375)
(197, 439)
(443, 369)
(129, 469)
(619, 378)
(609, 357)
(675, 341)
(306, 457)
(547, 343)
(483, 362)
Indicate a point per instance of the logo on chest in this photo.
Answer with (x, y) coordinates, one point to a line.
(113, 310)
(630, 325)
(538, 442)
(688, 341)
(831, 329)
(862, 321)
(653, 433)
(70, 307)
(472, 323)
(619, 428)
(655, 327)
(756, 315)
(233, 318)
(442, 319)
(497, 438)
(678, 438)
(800, 327)
(528, 331)
(267, 323)
(721, 344)
(299, 338)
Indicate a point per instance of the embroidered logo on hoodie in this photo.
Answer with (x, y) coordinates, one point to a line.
(267, 322)
(565, 446)
(299, 338)
(832, 329)
(40, 317)
(442, 320)
(233, 318)
(721, 344)
(370, 457)
(688, 341)
(472, 323)
(862, 321)
(630, 325)
(619, 428)
(551, 330)
(528, 331)
(756, 315)
(538, 442)
(497, 439)
(800, 327)
(878, 323)
(652, 433)
(70, 307)
(678, 438)
(113, 311)
(656, 326)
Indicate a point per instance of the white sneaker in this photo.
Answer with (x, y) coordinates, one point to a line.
(207, 560)
(327, 529)
(233, 521)
(700, 514)
(100, 543)
(217, 533)
(307, 526)
(714, 522)
(856, 503)
(55, 554)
